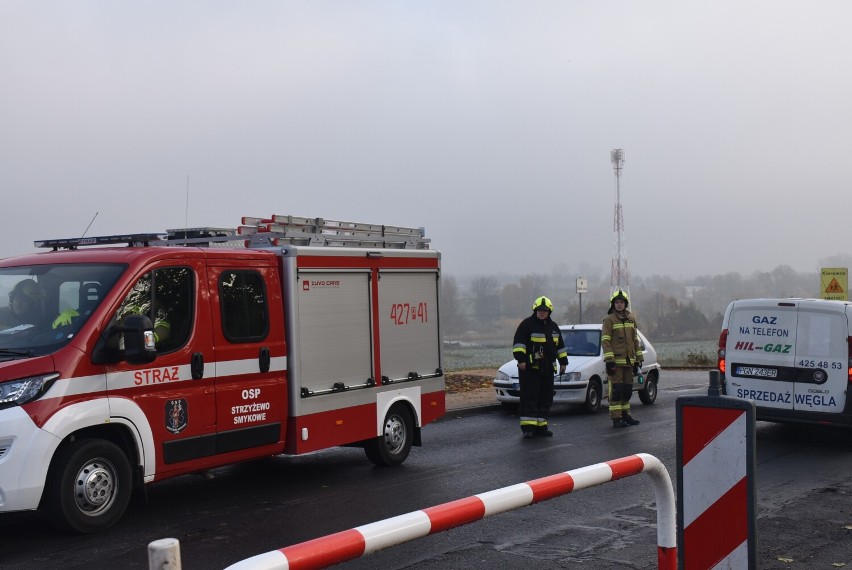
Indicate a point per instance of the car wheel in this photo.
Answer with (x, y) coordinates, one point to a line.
(89, 486)
(648, 395)
(593, 397)
(392, 447)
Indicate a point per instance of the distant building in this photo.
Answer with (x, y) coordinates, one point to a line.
(691, 290)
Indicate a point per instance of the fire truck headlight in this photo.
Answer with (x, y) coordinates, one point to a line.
(23, 390)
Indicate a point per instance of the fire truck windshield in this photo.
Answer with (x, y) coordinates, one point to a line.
(43, 306)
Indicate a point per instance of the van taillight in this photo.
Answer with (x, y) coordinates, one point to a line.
(723, 340)
(849, 352)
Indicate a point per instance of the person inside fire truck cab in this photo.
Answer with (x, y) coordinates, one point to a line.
(623, 356)
(167, 297)
(138, 302)
(24, 305)
(537, 346)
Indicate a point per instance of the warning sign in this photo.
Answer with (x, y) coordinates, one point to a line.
(834, 283)
(834, 287)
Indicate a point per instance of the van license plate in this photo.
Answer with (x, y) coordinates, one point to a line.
(759, 372)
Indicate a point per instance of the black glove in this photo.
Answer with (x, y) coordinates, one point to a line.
(637, 368)
(610, 368)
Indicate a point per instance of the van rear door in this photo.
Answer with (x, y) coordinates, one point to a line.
(822, 351)
(761, 352)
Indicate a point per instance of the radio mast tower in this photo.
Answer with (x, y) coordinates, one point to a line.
(619, 279)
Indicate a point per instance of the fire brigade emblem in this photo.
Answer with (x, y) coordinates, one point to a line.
(176, 416)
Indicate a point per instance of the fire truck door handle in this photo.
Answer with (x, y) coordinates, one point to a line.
(197, 365)
(263, 359)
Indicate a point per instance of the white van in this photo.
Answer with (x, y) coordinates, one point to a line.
(792, 357)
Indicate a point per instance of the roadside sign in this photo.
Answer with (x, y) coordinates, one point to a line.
(834, 283)
(582, 285)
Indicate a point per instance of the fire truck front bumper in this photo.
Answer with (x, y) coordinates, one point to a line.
(25, 452)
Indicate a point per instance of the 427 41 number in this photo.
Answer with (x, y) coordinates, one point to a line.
(405, 313)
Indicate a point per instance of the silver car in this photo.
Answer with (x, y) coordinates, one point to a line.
(585, 381)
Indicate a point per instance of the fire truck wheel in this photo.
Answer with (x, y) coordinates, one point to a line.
(392, 447)
(89, 486)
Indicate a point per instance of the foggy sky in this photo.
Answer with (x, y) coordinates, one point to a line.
(490, 123)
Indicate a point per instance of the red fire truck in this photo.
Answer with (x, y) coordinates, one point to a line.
(129, 359)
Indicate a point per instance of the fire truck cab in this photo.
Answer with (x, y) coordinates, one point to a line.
(149, 356)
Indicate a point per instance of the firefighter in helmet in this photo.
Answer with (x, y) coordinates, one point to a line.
(537, 347)
(24, 305)
(623, 356)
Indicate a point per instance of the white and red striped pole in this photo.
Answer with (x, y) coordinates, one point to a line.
(716, 481)
(366, 539)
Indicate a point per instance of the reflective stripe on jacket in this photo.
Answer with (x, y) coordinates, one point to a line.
(620, 339)
(535, 335)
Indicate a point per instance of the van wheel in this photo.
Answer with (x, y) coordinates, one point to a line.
(648, 395)
(88, 486)
(392, 447)
(593, 397)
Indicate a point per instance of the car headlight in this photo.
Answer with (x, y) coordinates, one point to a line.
(23, 390)
(502, 377)
(570, 377)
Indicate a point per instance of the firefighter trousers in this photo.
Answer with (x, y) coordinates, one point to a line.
(620, 391)
(536, 400)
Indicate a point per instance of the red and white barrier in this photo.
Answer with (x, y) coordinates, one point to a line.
(369, 538)
(716, 524)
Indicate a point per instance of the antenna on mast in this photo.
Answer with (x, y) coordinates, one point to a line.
(90, 225)
(186, 208)
(619, 279)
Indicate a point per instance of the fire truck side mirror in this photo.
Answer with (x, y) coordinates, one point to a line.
(139, 345)
(133, 341)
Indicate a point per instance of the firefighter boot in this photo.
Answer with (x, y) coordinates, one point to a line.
(619, 423)
(528, 435)
(630, 421)
(543, 432)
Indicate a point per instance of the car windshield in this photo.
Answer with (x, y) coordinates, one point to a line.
(47, 304)
(582, 342)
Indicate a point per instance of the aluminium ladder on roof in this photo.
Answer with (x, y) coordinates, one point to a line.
(265, 232)
(320, 231)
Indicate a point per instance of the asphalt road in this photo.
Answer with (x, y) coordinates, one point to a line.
(804, 499)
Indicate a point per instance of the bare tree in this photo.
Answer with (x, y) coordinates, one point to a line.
(486, 299)
(666, 307)
(513, 299)
(453, 320)
(518, 297)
